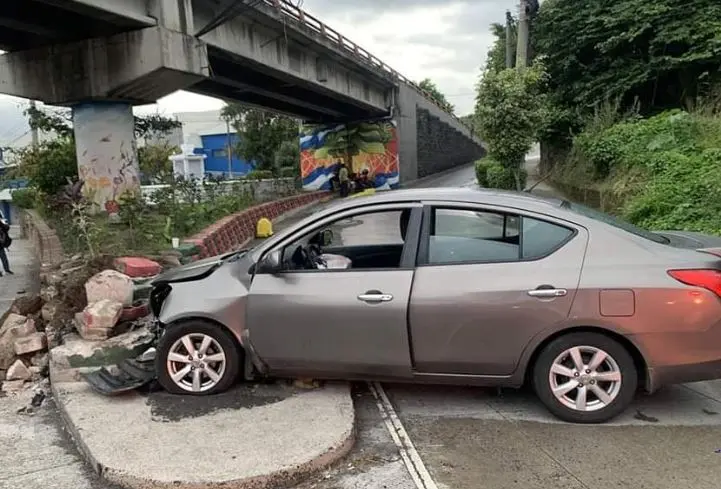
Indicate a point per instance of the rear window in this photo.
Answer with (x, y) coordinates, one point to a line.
(612, 221)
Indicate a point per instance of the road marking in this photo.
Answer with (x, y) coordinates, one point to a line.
(412, 460)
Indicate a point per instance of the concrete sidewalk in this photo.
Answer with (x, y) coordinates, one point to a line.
(250, 437)
(23, 263)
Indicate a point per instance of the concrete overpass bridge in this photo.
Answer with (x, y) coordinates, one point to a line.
(100, 57)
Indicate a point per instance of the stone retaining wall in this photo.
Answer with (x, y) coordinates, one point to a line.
(45, 241)
(233, 231)
(441, 146)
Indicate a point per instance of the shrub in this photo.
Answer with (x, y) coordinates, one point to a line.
(482, 170)
(259, 175)
(50, 164)
(25, 198)
(290, 172)
(491, 174)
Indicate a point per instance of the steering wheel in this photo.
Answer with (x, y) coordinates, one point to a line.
(305, 257)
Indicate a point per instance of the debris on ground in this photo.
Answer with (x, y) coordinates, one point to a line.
(90, 311)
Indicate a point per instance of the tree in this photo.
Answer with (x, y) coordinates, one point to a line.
(496, 58)
(261, 133)
(154, 162)
(510, 112)
(60, 122)
(659, 54)
(430, 87)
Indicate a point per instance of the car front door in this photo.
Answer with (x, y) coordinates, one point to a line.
(340, 323)
(487, 281)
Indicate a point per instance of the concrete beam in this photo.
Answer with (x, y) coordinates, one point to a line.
(244, 87)
(307, 64)
(130, 12)
(137, 67)
(176, 15)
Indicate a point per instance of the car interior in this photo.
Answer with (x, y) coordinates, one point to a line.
(456, 236)
(317, 251)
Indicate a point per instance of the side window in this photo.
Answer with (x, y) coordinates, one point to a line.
(463, 236)
(541, 238)
(372, 240)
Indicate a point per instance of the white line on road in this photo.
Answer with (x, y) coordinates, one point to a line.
(412, 460)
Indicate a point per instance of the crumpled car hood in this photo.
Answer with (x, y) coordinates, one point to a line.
(194, 271)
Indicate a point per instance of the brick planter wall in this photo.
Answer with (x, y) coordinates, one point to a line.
(45, 241)
(233, 231)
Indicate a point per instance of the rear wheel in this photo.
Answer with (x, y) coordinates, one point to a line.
(585, 378)
(197, 358)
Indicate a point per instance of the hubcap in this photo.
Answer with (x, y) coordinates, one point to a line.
(585, 378)
(196, 362)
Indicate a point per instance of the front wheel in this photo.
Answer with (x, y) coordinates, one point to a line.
(585, 378)
(197, 358)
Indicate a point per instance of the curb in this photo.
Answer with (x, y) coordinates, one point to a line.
(280, 478)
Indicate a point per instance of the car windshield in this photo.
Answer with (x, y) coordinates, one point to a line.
(612, 221)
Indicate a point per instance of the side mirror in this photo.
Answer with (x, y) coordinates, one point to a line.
(271, 263)
(326, 237)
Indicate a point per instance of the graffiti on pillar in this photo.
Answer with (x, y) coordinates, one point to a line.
(371, 146)
(106, 151)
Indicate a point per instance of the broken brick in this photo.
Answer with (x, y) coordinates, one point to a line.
(136, 267)
(34, 343)
(110, 285)
(18, 371)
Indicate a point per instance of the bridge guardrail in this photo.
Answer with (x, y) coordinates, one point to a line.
(352, 48)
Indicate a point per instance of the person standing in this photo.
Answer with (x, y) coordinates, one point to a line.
(344, 180)
(5, 241)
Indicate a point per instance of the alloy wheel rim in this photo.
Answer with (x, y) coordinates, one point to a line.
(585, 378)
(196, 362)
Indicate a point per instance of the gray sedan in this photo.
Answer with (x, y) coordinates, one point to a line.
(452, 286)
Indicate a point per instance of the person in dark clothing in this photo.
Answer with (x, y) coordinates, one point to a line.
(344, 179)
(4, 243)
(364, 182)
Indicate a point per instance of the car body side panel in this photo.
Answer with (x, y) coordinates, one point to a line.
(477, 319)
(314, 322)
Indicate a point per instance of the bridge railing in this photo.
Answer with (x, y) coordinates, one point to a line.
(351, 48)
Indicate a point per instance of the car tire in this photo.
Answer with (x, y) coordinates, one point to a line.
(593, 393)
(181, 371)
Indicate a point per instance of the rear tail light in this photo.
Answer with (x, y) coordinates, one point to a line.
(704, 278)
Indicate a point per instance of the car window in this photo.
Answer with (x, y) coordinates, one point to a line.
(541, 238)
(370, 240)
(463, 236)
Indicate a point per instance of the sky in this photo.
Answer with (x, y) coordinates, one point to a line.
(444, 40)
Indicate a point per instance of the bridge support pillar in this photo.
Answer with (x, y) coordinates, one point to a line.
(106, 152)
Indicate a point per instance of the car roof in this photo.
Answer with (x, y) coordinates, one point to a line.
(522, 200)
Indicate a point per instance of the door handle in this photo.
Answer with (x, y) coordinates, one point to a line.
(547, 293)
(375, 297)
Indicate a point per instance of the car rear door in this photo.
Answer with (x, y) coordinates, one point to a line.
(488, 280)
(339, 323)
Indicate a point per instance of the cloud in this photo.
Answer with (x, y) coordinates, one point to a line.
(445, 40)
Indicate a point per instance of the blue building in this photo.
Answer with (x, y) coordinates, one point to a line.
(215, 148)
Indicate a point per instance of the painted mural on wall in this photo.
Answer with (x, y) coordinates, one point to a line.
(106, 151)
(371, 146)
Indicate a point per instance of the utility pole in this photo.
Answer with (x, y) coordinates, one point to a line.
(509, 40)
(523, 27)
(33, 130)
(229, 151)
